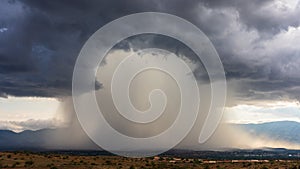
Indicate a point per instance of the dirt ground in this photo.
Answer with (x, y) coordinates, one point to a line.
(59, 161)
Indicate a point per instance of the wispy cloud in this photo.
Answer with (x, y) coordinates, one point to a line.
(3, 30)
(31, 124)
(265, 111)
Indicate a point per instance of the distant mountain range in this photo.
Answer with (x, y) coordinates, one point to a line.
(49, 139)
(45, 139)
(282, 130)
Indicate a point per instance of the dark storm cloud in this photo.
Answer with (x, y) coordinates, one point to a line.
(39, 48)
(40, 40)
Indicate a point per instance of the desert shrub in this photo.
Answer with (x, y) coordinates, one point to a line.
(294, 167)
(197, 161)
(162, 166)
(14, 165)
(65, 157)
(29, 163)
(108, 162)
(206, 167)
(50, 165)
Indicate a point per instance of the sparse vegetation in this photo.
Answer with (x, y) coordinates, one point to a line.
(55, 161)
(28, 163)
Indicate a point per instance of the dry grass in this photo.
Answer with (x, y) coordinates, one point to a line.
(58, 161)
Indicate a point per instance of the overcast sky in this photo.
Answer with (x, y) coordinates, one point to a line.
(257, 41)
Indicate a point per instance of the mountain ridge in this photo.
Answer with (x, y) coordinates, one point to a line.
(279, 130)
(51, 138)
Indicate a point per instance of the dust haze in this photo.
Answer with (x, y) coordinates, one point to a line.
(226, 136)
